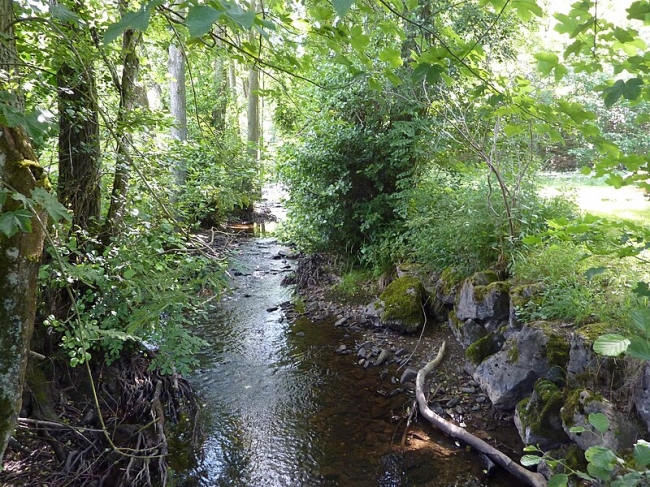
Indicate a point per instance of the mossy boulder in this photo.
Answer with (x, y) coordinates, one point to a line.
(484, 298)
(579, 404)
(642, 394)
(538, 417)
(509, 375)
(402, 305)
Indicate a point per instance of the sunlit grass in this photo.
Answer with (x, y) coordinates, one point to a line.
(595, 196)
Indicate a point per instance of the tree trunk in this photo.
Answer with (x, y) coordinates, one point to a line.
(177, 104)
(128, 101)
(79, 152)
(253, 113)
(20, 255)
(222, 96)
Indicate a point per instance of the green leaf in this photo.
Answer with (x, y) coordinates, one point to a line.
(392, 56)
(129, 273)
(558, 480)
(642, 289)
(342, 6)
(245, 18)
(642, 453)
(11, 222)
(639, 10)
(200, 19)
(49, 203)
(602, 458)
(512, 129)
(527, 8)
(530, 460)
(131, 20)
(546, 62)
(594, 271)
(630, 90)
(599, 421)
(639, 348)
(641, 320)
(64, 14)
(575, 111)
(577, 429)
(611, 344)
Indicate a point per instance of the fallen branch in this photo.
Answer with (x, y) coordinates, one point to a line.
(531, 478)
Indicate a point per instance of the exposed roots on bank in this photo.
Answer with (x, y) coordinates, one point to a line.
(60, 441)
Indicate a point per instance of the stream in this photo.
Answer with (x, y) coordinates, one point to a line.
(281, 408)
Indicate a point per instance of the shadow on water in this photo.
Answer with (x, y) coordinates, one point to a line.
(282, 409)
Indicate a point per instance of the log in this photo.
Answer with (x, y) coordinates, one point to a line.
(531, 478)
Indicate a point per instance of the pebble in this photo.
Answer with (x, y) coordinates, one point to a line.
(361, 352)
(342, 349)
(452, 402)
(366, 344)
(459, 409)
(408, 375)
(342, 321)
(383, 356)
(468, 390)
(401, 352)
(480, 399)
(271, 309)
(300, 334)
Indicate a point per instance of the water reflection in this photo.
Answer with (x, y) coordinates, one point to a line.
(285, 410)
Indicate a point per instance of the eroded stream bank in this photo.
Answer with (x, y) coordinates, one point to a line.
(283, 409)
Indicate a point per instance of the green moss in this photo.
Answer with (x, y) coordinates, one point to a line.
(403, 300)
(513, 354)
(540, 411)
(575, 458)
(484, 278)
(450, 278)
(592, 331)
(453, 319)
(482, 348)
(523, 294)
(496, 287)
(557, 350)
(573, 404)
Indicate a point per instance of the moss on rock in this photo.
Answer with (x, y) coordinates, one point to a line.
(403, 304)
(449, 279)
(480, 349)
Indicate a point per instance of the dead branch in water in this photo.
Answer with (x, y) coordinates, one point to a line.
(531, 478)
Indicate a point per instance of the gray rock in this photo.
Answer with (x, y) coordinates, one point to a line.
(408, 375)
(642, 395)
(383, 356)
(483, 302)
(580, 403)
(361, 353)
(588, 369)
(466, 332)
(342, 349)
(510, 374)
(373, 312)
(342, 321)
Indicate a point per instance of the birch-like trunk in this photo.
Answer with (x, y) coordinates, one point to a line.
(177, 105)
(20, 255)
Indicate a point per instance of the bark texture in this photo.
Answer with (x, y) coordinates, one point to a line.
(128, 101)
(20, 255)
(79, 152)
(177, 105)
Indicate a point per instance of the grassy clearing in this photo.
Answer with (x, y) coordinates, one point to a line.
(595, 196)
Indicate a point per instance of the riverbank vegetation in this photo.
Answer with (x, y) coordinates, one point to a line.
(404, 132)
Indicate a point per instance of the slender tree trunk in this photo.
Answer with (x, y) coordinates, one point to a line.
(128, 101)
(20, 255)
(177, 104)
(232, 86)
(79, 151)
(253, 113)
(221, 89)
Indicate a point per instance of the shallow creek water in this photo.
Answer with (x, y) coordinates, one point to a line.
(282, 409)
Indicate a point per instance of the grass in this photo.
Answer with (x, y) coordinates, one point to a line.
(595, 196)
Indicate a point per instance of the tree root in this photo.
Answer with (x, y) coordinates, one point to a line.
(531, 478)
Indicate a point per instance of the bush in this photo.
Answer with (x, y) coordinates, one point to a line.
(457, 220)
